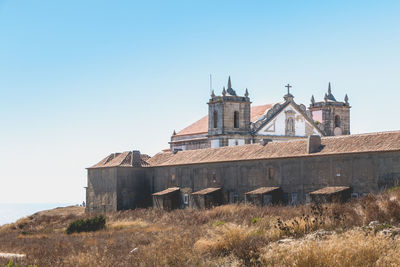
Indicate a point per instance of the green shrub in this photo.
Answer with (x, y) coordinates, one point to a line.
(88, 225)
(394, 189)
(218, 223)
(11, 264)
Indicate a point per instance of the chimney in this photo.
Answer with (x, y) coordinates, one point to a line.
(263, 142)
(176, 150)
(313, 144)
(136, 159)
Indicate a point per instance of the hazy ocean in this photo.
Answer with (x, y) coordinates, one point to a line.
(10, 212)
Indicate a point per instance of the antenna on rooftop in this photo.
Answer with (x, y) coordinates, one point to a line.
(210, 84)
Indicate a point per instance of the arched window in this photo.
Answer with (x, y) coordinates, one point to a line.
(236, 119)
(337, 121)
(215, 118)
(290, 128)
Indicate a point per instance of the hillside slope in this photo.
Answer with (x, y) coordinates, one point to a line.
(359, 233)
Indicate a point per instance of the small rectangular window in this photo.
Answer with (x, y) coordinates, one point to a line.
(308, 199)
(271, 173)
(186, 199)
(235, 198)
(354, 195)
(338, 172)
(294, 200)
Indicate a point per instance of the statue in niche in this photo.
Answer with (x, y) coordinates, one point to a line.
(290, 127)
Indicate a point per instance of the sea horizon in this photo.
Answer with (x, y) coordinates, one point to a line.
(11, 212)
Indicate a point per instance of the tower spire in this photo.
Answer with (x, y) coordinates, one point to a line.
(229, 83)
(329, 88)
(223, 91)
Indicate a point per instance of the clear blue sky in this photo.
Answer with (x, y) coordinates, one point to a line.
(82, 79)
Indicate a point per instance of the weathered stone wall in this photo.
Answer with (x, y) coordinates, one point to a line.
(117, 188)
(111, 189)
(364, 173)
(133, 189)
(101, 191)
(225, 107)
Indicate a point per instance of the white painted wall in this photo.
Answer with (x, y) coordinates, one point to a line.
(235, 142)
(280, 124)
(214, 143)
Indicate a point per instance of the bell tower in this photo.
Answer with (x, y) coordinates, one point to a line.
(228, 118)
(333, 115)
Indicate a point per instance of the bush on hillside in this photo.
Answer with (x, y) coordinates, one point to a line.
(87, 225)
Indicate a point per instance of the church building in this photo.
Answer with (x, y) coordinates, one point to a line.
(232, 121)
(281, 153)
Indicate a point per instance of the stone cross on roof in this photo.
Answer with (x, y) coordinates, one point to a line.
(288, 86)
(288, 96)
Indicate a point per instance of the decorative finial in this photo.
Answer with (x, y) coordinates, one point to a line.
(312, 100)
(223, 91)
(246, 94)
(329, 88)
(174, 133)
(229, 83)
(346, 99)
(212, 94)
(326, 98)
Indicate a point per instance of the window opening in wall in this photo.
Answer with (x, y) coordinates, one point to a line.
(236, 119)
(354, 195)
(271, 173)
(337, 121)
(308, 199)
(214, 178)
(294, 199)
(186, 199)
(290, 127)
(215, 118)
(235, 198)
(338, 172)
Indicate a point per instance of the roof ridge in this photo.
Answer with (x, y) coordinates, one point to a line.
(361, 134)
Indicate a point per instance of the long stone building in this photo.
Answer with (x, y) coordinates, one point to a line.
(287, 172)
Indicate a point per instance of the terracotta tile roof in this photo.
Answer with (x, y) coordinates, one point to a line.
(123, 159)
(262, 190)
(201, 126)
(257, 111)
(167, 191)
(207, 191)
(330, 190)
(346, 144)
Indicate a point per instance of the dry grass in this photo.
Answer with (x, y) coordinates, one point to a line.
(231, 235)
(352, 248)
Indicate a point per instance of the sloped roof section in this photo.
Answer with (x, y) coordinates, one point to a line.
(123, 159)
(201, 126)
(346, 144)
(330, 190)
(207, 191)
(167, 191)
(262, 190)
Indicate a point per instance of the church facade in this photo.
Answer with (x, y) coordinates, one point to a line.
(232, 121)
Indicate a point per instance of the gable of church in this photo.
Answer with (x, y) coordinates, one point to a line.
(287, 119)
